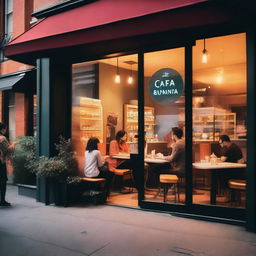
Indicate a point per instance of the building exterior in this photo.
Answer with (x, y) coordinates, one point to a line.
(79, 47)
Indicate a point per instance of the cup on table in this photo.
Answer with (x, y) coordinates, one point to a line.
(207, 158)
(203, 161)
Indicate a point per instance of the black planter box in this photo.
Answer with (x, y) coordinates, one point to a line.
(27, 190)
(67, 194)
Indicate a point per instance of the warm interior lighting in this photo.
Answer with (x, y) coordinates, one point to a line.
(130, 78)
(205, 54)
(219, 77)
(117, 76)
(117, 79)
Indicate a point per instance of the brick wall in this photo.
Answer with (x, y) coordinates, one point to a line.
(18, 17)
(19, 114)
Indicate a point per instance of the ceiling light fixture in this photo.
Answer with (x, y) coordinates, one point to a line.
(117, 76)
(130, 78)
(205, 54)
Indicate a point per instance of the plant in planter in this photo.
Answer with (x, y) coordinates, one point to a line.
(60, 166)
(52, 173)
(23, 155)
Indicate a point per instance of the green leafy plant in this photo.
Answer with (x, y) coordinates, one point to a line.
(60, 166)
(21, 160)
(73, 180)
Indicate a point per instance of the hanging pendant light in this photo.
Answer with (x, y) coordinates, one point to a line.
(130, 78)
(117, 76)
(205, 54)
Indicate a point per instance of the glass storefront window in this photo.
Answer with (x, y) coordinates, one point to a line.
(219, 108)
(104, 101)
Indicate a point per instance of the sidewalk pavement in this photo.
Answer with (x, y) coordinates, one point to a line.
(29, 228)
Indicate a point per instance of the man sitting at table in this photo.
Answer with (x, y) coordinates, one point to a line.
(176, 161)
(230, 151)
(177, 157)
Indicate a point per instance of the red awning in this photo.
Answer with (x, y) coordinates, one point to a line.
(54, 31)
(105, 21)
(98, 13)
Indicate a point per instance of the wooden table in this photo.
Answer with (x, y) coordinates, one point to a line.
(214, 168)
(147, 160)
(121, 156)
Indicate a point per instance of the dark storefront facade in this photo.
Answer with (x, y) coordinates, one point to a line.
(77, 63)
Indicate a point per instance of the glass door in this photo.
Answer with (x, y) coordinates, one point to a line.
(164, 126)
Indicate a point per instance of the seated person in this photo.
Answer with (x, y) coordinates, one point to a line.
(117, 146)
(177, 157)
(95, 165)
(230, 151)
(176, 161)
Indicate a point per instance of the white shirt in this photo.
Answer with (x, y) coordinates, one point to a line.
(93, 160)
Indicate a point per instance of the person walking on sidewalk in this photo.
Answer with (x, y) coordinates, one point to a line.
(6, 149)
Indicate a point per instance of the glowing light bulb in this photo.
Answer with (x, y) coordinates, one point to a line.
(204, 56)
(130, 80)
(117, 79)
(219, 79)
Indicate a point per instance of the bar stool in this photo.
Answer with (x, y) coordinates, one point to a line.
(126, 174)
(167, 180)
(236, 187)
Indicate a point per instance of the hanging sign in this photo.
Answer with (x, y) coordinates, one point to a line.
(166, 86)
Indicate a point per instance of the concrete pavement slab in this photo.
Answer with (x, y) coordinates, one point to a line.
(31, 228)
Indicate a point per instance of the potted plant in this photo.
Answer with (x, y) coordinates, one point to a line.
(24, 153)
(23, 174)
(52, 174)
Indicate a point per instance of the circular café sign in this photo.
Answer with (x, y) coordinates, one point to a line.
(166, 86)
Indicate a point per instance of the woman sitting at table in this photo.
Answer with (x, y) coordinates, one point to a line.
(95, 165)
(116, 147)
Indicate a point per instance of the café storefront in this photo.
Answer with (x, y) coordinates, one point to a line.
(148, 69)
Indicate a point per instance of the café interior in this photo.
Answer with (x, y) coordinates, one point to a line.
(105, 100)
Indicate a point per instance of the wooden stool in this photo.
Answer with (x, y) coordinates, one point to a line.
(94, 182)
(93, 190)
(126, 175)
(236, 187)
(169, 179)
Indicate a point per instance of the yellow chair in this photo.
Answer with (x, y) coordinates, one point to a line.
(236, 187)
(126, 174)
(167, 180)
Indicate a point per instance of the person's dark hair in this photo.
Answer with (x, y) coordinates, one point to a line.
(224, 138)
(92, 144)
(120, 134)
(2, 126)
(177, 131)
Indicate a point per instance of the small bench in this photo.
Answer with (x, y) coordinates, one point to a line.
(93, 190)
(93, 179)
